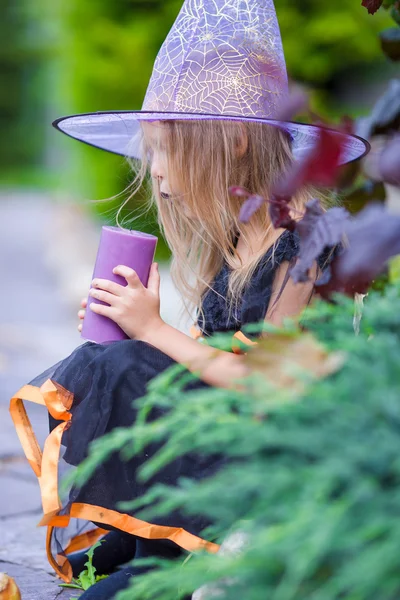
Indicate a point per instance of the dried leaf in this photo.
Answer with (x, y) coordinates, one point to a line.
(358, 312)
(282, 358)
(373, 237)
(249, 207)
(8, 588)
(389, 162)
(372, 5)
(318, 230)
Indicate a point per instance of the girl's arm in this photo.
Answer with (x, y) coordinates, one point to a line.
(136, 309)
(215, 367)
(219, 368)
(294, 298)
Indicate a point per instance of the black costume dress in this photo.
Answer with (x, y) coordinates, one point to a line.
(106, 379)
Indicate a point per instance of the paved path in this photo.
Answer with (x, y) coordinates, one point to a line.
(36, 329)
(40, 248)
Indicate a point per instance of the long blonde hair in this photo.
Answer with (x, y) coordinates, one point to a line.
(207, 157)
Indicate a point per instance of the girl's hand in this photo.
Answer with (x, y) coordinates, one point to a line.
(81, 313)
(135, 308)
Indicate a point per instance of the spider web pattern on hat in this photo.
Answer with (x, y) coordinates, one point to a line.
(222, 60)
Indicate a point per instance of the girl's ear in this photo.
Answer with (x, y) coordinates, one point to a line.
(242, 142)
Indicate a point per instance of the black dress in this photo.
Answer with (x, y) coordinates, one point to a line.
(106, 379)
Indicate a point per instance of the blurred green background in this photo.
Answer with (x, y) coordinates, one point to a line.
(61, 57)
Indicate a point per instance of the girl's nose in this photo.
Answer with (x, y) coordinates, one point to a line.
(156, 170)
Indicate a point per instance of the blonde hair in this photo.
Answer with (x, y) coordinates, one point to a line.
(205, 158)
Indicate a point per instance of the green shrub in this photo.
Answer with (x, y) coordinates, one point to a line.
(313, 481)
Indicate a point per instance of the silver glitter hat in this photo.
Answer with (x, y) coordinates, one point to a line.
(222, 60)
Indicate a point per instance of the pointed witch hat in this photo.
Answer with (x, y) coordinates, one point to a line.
(222, 60)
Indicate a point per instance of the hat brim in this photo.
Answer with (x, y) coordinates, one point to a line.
(119, 131)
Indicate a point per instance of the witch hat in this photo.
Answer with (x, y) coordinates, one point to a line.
(222, 60)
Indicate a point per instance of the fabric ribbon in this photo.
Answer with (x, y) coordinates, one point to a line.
(58, 402)
(237, 337)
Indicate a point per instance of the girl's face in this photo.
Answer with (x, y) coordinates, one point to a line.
(155, 139)
(156, 143)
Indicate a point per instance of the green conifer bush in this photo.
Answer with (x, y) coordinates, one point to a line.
(313, 471)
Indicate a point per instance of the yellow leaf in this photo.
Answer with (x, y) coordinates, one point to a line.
(290, 361)
(8, 588)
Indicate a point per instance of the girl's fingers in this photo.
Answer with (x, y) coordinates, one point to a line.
(102, 309)
(84, 302)
(130, 275)
(81, 314)
(109, 286)
(103, 296)
(80, 327)
(154, 280)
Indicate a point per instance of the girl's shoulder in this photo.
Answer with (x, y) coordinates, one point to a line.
(284, 249)
(288, 247)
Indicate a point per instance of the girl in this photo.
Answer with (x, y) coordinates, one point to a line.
(207, 124)
(246, 265)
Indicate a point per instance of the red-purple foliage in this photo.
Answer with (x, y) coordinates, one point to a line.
(279, 213)
(318, 230)
(296, 103)
(369, 239)
(319, 166)
(249, 207)
(347, 125)
(389, 162)
(372, 5)
(241, 192)
(372, 238)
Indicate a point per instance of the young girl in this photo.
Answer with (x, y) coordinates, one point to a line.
(206, 125)
(246, 266)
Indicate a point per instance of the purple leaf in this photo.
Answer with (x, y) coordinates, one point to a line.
(389, 162)
(385, 115)
(296, 103)
(317, 230)
(249, 207)
(373, 237)
(347, 124)
(241, 192)
(372, 5)
(320, 166)
(279, 213)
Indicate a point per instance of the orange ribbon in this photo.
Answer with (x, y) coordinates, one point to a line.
(58, 402)
(238, 336)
